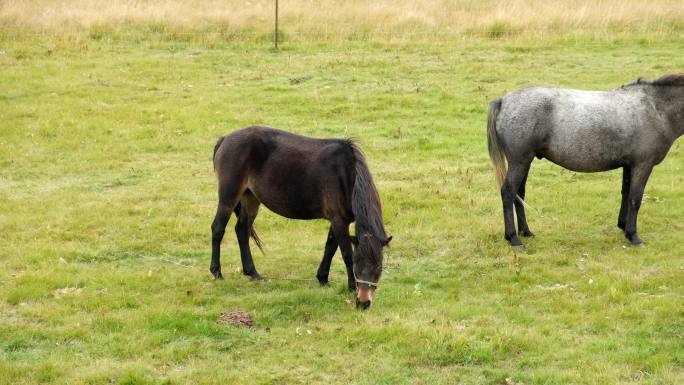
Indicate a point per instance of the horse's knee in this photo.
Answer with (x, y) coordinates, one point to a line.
(217, 236)
(218, 227)
(507, 196)
(241, 229)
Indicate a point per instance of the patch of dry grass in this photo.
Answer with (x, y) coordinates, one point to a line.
(350, 18)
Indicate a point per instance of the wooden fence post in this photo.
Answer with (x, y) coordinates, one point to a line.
(276, 24)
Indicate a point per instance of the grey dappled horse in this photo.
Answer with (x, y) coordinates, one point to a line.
(632, 127)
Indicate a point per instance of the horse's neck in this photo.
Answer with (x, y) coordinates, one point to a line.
(670, 103)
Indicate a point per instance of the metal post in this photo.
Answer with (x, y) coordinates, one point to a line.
(276, 24)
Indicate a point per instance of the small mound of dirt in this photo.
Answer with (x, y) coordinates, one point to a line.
(299, 79)
(67, 292)
(236, 318)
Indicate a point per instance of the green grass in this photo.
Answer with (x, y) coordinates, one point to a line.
(106, 184)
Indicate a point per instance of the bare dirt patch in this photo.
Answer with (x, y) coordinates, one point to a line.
(236, 318)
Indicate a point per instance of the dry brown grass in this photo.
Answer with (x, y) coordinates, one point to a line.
(344, 17)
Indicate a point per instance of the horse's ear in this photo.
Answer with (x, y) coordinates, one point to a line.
(354, 240)
(387, 241)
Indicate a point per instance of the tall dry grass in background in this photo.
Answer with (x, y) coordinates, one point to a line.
(344, 17)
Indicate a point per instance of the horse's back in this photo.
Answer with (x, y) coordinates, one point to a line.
(257, 144)
(295, 176)
(580, 130)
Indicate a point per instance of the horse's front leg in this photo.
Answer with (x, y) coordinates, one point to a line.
(328, 253)
(638, 178)
(341, 232)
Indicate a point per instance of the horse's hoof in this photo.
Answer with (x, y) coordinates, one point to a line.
(322, 279)
(639, 245)
(526, 233)
(217, 275)
(515, 242)
(518, 247)
(256, 277)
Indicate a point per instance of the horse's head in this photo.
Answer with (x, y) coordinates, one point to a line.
(367, 261)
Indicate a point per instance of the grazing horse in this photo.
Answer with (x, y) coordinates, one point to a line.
(301, 178)
(632, 127)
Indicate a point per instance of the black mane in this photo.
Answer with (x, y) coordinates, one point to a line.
(366, 200)
(668, 80)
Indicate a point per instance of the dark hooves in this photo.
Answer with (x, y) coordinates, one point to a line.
(518, 247)
(515, 243)
(639, 245)
(513, 240)
(322, 279)
(526, 233)
(217, 274)
(256, 277)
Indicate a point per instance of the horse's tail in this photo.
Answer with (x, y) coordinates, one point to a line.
(496, 152)
(365, 200)
(218, 144)
(252, 232)
(257, 240)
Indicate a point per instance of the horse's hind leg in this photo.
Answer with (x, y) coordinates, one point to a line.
(622, 217)
(523, 229)
(228, 198)
(638, 178)
(247, 211)
(514, 177)
(324, 268)
(218, 228)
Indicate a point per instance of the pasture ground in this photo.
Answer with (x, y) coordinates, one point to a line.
(107, 192)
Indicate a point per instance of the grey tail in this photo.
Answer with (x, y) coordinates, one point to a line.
(496, 152)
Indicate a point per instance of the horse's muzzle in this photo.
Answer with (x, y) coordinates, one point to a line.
(362, 305)
(364, 297)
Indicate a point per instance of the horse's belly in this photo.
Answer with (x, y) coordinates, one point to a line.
(580, 164)
(289, 203)
(586, 154)
(294, 212)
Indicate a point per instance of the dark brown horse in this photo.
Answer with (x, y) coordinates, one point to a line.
(301, 178)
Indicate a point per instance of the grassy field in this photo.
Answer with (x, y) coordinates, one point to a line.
(107, 193)
(307, 20)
